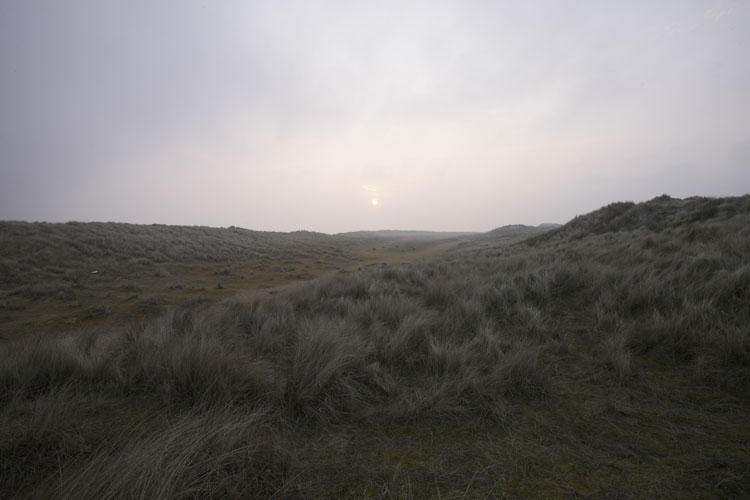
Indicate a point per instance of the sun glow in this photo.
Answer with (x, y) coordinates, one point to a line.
(374, 202)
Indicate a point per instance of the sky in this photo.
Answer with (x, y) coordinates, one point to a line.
(295, 115)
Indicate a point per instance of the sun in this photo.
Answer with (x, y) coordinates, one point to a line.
(374, 202)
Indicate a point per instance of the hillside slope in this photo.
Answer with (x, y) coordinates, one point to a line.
(66, 276)
(520, 229)
(658, 214)
(36, 246)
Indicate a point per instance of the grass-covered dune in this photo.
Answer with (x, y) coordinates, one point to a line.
(608, 358)
(36, 251)
(56, 277)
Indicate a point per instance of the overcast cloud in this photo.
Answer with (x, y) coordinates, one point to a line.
(283, 115)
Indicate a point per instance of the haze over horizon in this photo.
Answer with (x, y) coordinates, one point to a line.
(454, 116)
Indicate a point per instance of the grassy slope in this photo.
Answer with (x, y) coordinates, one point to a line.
(47, 285)
(608, 359)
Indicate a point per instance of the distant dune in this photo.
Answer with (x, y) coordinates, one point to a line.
(389, 233)
(519, 229)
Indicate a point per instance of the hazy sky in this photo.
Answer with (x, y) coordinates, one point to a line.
(285, 115)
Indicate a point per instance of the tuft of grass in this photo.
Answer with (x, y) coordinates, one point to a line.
(408, 347)
(332, 373)
(222, 455)
(43, 364)
(618, 357)
(187, 363)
